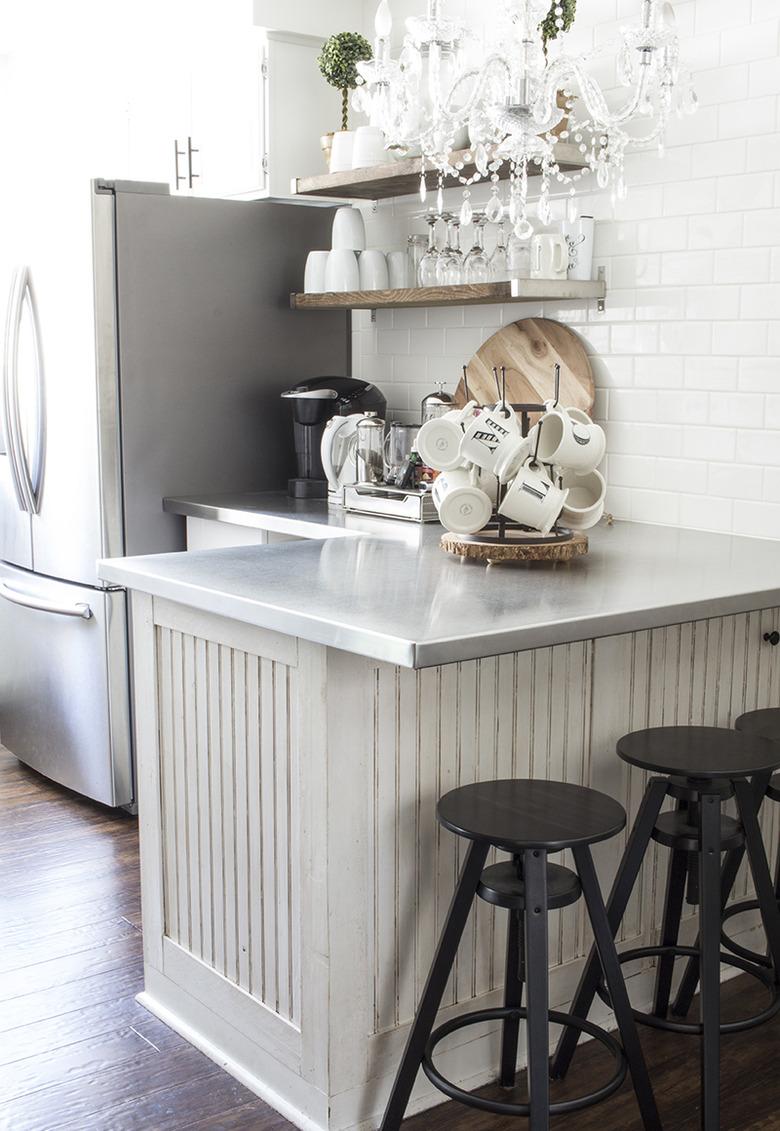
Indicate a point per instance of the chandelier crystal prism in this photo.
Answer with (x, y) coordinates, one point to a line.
(518, 93)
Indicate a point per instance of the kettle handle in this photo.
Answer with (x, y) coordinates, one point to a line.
(331, 431)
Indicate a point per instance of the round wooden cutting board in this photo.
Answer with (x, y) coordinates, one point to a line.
(529, 349)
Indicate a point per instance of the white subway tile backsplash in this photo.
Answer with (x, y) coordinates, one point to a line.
(761, 300)
(689, 198)
(716, 373)
(635, 337)
(735, 481)
(656, 303)
(742, 265)
(709, 443)
(712, 302)
(765, 76)
(759, 446)
(746, 118)
(751, 190)
(687, 267)
(743, 409)
(762, 227)
(429, 341)
(704, 512)
(724, 84)
(739, 338)
(759, 374)
(680, 475)
(392, 341)
(772, 419)
(722, 229)
(758, 520)
(764, 153)
(750, 41)
(716, 158)
(686, 337)
(634, 271)
(657, 371)
(462, 343)
(772, 484)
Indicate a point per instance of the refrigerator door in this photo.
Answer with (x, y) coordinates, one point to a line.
(64, 701)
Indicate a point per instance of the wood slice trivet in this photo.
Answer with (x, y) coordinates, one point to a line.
(530, 349)
(562, 550)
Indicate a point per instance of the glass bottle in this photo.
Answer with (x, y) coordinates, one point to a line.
(518, 258)
(416, 246)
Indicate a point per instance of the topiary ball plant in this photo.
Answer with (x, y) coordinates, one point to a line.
(337, 62)
(558, 19)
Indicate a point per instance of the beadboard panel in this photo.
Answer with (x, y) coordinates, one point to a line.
(229, 771)
(551, 713)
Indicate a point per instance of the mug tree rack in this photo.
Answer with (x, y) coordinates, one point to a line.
(504, 540)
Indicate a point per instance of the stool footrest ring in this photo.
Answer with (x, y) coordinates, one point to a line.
(735, 947)
(695, 1028)
(498, 1107)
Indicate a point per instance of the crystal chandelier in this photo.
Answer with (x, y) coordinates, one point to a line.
(511, 89)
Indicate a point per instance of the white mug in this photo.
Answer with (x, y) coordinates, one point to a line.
(373, 271)
(584, 505)
(341, 271)
(349, 230)
(532, 499)
(488, 436)
(511, 458)
(314, 275)
(341, 151)
(438, 441)
(463, 507)
(398, 266)
(549, 256)
(568, 441)
(579, 239)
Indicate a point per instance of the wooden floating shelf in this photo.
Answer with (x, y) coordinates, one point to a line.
(470, 294)
(402, 178)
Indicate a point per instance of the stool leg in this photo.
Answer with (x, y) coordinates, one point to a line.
(670, 931)
(616, 907)
(605, 943)
(690, 979)
(754, 844)
(434, 987)
(709, 935)
(513, 995)
(538, 965)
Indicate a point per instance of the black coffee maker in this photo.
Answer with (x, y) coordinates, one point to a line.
(314, 402)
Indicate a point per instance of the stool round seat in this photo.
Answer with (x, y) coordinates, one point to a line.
(515, 815)
(699, 752)
(501, 886)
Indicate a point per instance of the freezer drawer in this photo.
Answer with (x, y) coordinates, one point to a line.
(64, 697)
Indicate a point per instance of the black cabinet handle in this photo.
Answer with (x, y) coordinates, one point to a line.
(772, 638)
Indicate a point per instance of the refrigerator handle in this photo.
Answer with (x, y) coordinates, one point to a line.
(8, 399)
(29, 482)
(79, 609)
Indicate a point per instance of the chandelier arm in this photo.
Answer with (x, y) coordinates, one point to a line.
(481, 74)
(565, 67)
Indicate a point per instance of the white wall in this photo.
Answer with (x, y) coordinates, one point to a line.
(687, 353)
(311, 17)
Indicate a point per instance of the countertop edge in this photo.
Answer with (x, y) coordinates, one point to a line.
(445, 650)
(257, 520)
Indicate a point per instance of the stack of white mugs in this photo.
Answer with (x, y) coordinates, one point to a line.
(548, 476)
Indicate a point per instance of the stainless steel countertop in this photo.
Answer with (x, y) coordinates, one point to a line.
(304, 518)
(410, 604)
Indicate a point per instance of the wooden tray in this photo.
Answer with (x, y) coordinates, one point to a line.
(530, 349)
(521, 549)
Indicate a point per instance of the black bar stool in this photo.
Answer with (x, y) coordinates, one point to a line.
(529, 820)
(704, 766)
(767, 724)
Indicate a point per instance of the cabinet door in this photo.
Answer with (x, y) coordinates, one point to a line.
(156, 79)
(228, 93)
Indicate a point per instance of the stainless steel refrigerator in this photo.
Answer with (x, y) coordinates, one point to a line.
(147, 361)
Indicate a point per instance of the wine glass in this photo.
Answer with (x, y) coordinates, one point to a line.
(428, 270)
(450, 263)
(476, 266)
(499, 269)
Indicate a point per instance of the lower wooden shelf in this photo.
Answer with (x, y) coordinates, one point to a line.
(470, 294)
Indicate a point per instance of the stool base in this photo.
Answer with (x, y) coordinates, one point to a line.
(498, 1107)
(693, 1028)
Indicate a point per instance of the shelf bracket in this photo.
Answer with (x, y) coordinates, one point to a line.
(602, 302)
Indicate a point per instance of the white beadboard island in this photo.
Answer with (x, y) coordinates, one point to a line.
(299, 709)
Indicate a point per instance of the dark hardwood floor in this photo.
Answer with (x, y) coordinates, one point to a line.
(77, 1052)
